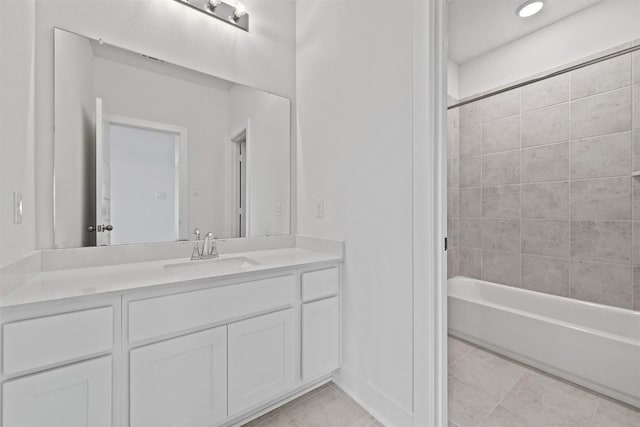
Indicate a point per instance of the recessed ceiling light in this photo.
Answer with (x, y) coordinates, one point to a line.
(530, 8)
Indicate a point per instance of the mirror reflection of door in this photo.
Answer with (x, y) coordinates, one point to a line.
(240, 183)
(140, 181)
(242, 148)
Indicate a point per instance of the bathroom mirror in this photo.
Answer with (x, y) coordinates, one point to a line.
(147, 151)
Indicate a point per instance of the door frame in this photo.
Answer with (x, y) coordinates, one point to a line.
(240, 134)
(429, 213)
(182, 134)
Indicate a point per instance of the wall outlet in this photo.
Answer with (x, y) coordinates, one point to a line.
(318, 208)
(278, 209)
(17, 207)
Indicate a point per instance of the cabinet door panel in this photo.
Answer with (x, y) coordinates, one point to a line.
(77, 395)
(261, 359)
(320, 337)
(182, 381)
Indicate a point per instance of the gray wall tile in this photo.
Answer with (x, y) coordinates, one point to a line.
(544, 183)
(503, 105)
(636, 106)
(605, 241)
(601, 77)
(546, 92)
(636, 288)
(601, 156)
(501, 235)
(470, 263)
(546, 200)
(471, 141)
(453, 172)
(453, 224)
(546, 237)
(453, 141)
(501, 135)
(544, 274)
(471, 202)
(501, 168)
(501, 267)
(470, 171)
(636, 243)
(602, 283)
(546, 126)
(601, 114)
(603, 198)
(546, 163)
(501, 202)
(470, 114)
(636, 151)
(452, 262)
(469, 235)
(635, 198)
(453, 202)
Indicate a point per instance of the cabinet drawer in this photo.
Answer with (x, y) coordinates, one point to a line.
(33, 343)
(174, 313)
(320, 284)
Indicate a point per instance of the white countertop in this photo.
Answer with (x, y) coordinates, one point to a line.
(55, 285)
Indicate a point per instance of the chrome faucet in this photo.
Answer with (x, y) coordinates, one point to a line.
(208, 250)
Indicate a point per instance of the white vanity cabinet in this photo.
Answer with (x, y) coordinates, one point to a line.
(210, 352)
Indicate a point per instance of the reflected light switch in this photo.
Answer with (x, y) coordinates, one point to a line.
(318, 208)
(17, 207)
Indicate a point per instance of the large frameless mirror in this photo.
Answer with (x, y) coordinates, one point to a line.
(147, 151)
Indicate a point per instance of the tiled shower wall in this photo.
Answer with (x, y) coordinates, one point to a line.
(540, 186)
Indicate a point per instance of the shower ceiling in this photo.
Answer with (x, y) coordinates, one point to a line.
(478, 26)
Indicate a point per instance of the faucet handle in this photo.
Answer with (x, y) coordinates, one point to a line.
(196, 231)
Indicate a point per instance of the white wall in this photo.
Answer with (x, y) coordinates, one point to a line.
(75, 121)
(17, 85)
(204, 111)
(595, 29)
(453, 79)
(263, 58)
(268, 148)
(354, 95)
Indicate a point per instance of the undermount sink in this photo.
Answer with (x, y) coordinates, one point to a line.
(213, 266)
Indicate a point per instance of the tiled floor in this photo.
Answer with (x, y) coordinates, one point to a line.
(491, 391)
(484, 390)
(327, 406)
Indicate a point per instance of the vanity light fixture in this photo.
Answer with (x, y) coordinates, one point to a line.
(232, 13)
(529, 8)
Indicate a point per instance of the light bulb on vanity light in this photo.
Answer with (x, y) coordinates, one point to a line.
(239, 11)
(213, 4)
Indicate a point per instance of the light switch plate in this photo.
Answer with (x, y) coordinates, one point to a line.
(318, 208)
(17, 207)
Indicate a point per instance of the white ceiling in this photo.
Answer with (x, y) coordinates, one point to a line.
(479, 26)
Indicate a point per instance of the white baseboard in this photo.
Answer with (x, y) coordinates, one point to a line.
(378, 404)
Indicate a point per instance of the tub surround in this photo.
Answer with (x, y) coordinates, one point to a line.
(546, 199)
(171, 341)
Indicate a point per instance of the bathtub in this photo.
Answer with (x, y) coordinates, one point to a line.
(593, 345)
